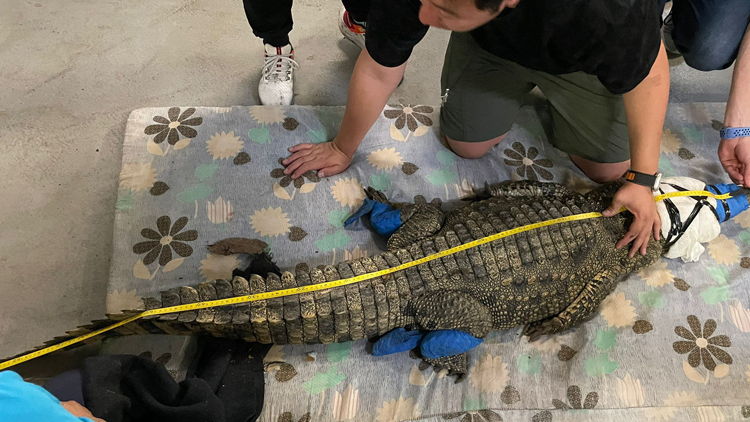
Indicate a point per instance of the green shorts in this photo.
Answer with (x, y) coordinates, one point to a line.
(485, 93)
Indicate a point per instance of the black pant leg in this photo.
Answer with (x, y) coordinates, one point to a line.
(271, 20)
(358, 9)
(67, 386)
(708, 33)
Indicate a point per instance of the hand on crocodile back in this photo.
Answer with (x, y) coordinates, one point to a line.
(640, 202)
(547, 279)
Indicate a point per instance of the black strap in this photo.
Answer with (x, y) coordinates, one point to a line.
(677, 227)
(675, 223)
(643, 179)
(704, 201)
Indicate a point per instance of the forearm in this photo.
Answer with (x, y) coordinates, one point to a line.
(645, 108)
(369, 90)
(738, 106)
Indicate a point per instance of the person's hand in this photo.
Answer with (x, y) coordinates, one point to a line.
(78, 411)
(639, 200)
(734, 155)
(325, 157)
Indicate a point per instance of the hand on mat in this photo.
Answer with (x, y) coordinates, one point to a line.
(327, 158)
(639, 200)
(734, 155)
(77, 410)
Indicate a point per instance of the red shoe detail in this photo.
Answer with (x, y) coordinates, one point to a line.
(357, 29)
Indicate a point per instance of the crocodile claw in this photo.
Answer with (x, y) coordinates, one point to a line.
(455, 366)
(533, 332)
(537, 329)
(376, 195)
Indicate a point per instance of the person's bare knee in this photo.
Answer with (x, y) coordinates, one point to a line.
(473, 149)
(608, 174)
(601, 172)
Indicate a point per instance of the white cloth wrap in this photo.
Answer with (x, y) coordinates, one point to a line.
(704, 227)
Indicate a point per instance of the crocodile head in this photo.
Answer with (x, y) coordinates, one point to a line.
(686, 222)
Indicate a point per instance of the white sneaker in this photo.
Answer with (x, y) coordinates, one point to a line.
(350, 30)
(276, 86)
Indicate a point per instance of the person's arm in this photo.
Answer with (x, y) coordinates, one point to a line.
(80, 411)
(734, 154)
(24, 401)
(369, 90)
(645, 109)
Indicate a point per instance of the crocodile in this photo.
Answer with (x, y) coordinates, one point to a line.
(547, 279)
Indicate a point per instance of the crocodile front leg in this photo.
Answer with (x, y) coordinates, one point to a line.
(603, 194)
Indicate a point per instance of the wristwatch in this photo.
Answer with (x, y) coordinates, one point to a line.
(734, 132)
(643, 179)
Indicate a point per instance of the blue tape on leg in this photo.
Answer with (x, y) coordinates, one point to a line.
(442, 343)
(385, 219)
(396, 341)
(365, 209)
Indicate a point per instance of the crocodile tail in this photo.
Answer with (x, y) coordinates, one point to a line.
(326, 316)
(127, 329)
(366, 309)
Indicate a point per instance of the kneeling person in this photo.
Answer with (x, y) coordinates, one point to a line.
(600, 63)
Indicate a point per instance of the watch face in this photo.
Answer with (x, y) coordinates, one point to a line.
(657, 182)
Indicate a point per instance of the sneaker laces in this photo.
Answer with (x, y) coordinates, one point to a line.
(667, 23)
(278, 67)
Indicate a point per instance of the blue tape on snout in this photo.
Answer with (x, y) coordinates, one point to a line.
(735, 204)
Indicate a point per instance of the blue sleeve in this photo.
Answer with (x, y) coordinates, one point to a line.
(21, 401)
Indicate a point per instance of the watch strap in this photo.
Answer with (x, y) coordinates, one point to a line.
(643, 179)
(734, 132)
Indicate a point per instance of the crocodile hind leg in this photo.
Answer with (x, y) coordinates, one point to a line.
(419, 221)
(451, 310)
(581, 308)
(455, 365)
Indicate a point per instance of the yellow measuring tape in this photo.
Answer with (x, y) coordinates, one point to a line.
(331, 284)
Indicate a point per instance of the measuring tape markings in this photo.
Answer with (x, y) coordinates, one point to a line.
(338, 283)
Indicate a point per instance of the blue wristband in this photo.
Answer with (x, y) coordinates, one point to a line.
(734, 132)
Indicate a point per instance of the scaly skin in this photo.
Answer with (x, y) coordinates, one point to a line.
(548, 279)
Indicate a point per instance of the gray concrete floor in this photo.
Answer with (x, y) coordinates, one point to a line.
(72, 70)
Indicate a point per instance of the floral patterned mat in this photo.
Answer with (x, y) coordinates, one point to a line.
(672, 342)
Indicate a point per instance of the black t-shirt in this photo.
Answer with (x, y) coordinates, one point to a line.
(615, 40)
